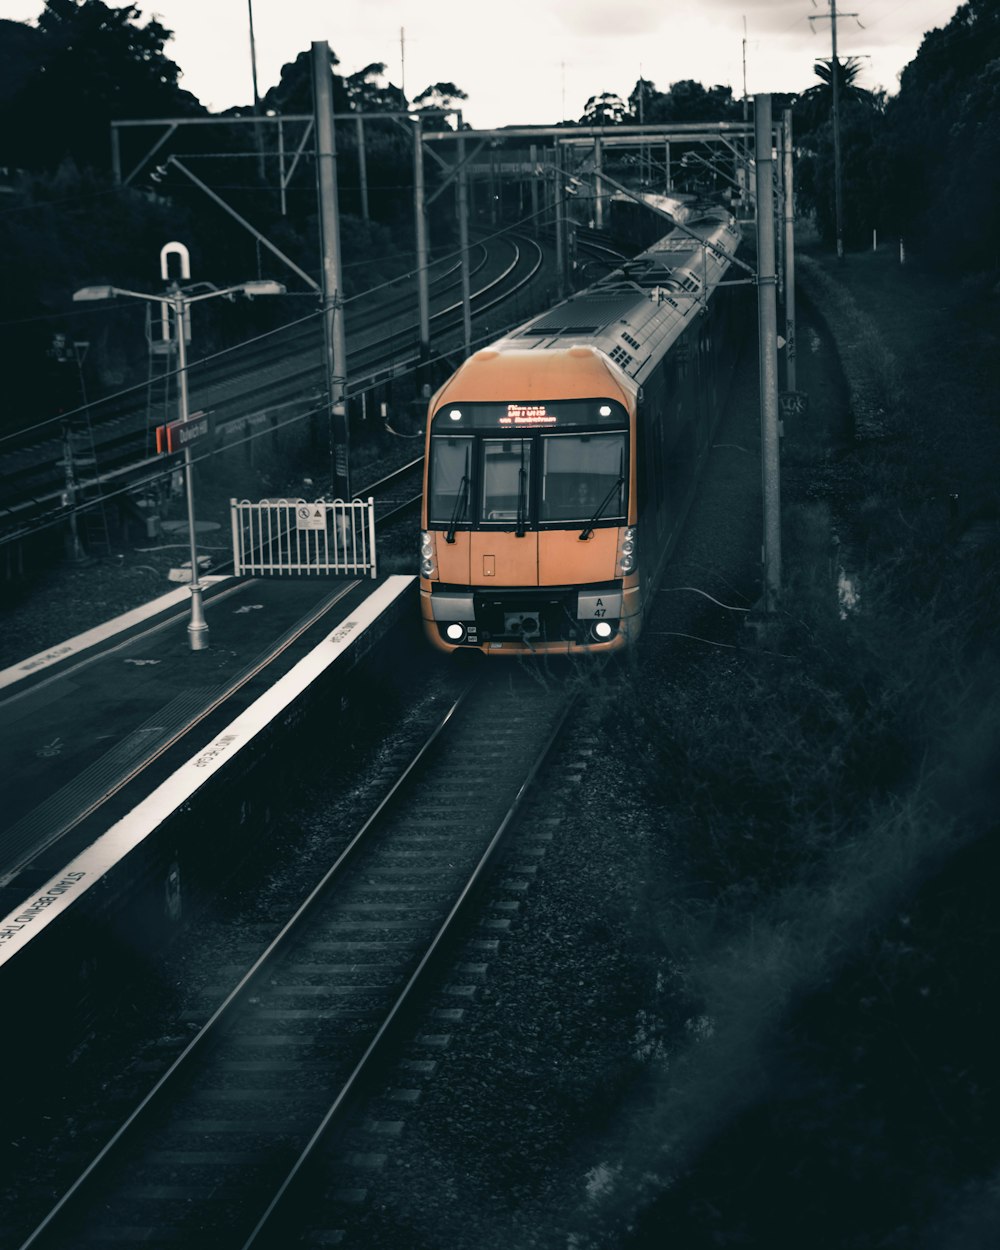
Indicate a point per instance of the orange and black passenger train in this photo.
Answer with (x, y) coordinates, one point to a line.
(562, 459)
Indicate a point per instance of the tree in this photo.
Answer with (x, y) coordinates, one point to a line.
(93, 64)
(942, 146)
(606, 109)
(293, 92)
(22, 51)
(640, 99)
(813, 107)
(689, 101)
(365, 95)
(440, 95)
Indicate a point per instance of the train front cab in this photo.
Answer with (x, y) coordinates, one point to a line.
(528, 541)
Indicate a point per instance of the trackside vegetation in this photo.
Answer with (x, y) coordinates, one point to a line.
(817, 918)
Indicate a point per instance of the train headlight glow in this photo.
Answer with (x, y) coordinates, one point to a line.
(605, 410)
(428, 565)
(627, 551)
(455, 632)
(455, 414)
(602, 629)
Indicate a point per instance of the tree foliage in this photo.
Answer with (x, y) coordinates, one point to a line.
(861, 130)
(812, 108)
(606, 109)
(924, 161)
(942, 149)
(92, 64)
(439, 95)
(366, 95)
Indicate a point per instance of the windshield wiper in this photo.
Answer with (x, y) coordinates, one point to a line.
(522, 496)
(461, 502)
(588, 529)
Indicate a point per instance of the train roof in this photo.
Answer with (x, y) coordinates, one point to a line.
(635, 314)
(578, 371)
(680, 205)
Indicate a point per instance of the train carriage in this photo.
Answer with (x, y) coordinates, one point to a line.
(561, 460)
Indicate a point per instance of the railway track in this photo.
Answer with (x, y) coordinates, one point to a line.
(281, 377)
(219, 1152)
(398, 493)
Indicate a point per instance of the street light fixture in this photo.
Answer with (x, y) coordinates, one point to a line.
(197, 627)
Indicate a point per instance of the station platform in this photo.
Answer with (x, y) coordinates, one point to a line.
(107, 736)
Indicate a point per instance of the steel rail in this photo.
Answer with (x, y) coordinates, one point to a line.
(277, 945)
(373, 1055)
(315, 915)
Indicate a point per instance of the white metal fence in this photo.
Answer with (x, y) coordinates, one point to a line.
(296, 536)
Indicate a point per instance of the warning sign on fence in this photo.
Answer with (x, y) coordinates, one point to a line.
(310, 516)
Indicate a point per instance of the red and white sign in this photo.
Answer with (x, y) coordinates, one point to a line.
(180, 434)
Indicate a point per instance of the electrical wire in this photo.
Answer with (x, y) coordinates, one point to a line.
(695, 590)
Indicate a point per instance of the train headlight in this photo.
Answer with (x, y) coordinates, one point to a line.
(455, 632)
(428, 564)
(628, 554)
(602, 630)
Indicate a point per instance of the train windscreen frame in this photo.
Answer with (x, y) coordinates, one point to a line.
(551, 470)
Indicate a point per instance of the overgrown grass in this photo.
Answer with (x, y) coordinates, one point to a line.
(871, 369)
(809, 789)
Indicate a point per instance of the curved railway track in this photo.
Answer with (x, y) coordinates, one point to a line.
(281, 378)
(219, 1151)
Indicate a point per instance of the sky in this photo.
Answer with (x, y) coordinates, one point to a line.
(524, 62)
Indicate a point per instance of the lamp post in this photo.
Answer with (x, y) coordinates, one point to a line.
(180, 302)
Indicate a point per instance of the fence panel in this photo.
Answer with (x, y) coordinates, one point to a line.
(284, 536)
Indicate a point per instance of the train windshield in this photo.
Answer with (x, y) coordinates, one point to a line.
(579, 472)
(450, 479)
(506, 478)
(480, 474)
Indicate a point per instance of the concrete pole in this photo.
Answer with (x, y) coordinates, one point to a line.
(533, 159)
(557, 188)
(197, 629)
(257, 132)
(598, 183)
(779, 207)
(281, 166)
(336, 344)
(116, 156)
(420, 217)
(790, 344)
(362, 166)
(463, 243)
(768, 352)
(838, 189)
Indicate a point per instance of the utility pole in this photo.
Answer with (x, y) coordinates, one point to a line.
(838, 190)
(598, 184)
(333, 312)
(463, 237)
(420, 217)
(767, 332)
(790, 348)
(258, 136)
(362, 165)
(560, 211)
